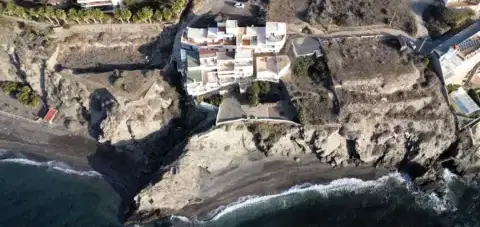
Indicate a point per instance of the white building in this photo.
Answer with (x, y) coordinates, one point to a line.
(99, 3)
(463, 4)
(463, 102)
(460, 59)
(220, 56)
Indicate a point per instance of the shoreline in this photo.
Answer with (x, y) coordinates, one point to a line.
(272, 176)
(264, 177)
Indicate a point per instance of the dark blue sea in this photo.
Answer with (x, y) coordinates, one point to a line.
(52, 194)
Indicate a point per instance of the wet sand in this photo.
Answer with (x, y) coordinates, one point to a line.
(269, 176)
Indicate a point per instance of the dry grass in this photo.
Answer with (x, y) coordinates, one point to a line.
(290, 11)
(347, 13)
(356, 58)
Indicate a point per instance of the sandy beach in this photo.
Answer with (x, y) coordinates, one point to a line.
(270, 176)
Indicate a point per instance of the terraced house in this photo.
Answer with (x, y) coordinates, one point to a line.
(217, 57)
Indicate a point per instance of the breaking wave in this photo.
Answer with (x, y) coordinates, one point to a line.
(393, 191)
(18, 158)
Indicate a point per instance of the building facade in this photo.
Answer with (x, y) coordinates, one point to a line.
(217, 57)
(460, 59)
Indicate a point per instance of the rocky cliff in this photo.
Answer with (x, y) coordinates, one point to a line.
(115, 106)
(367, 112)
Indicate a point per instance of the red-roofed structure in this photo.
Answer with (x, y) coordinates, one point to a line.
(50, 115)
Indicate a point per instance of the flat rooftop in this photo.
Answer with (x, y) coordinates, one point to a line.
(305, 46)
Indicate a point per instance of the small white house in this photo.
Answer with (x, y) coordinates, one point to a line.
(463, 103)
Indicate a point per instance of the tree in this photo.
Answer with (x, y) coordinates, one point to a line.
(20, 12)
(10, 87)
(73, 14)
(253, 96)
(117, 14)
(85, 15)
(49, 13)
(62, 15)
(167, 14)
(98, 14)
(10, 8)
(302, 65)
(264, 87)
(178, 6)
(33, 13)
(158, 16)
(145, 14)
(126, 15)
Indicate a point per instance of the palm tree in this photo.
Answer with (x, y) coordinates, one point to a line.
(158, 16)
(20, 12)
(33, 13)
(62, 15)
(126, 15)
(73, 14)
(98, 15)
(85, 16)
(49, 13)
(90, 15)
(117, 14)
(167, 14)
(145, 14)
(10, 8)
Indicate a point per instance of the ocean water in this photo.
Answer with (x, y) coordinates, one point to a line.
(52, 194)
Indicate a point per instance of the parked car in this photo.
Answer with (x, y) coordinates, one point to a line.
(239, 5)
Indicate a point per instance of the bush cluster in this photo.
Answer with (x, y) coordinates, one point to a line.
(123, 15)
(440, 19)
(258, 87)
(302, 66)
(23, 93)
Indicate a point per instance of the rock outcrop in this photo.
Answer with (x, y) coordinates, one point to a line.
(399, 121)
(114, 105)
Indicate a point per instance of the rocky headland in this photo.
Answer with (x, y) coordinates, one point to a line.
(365, 109)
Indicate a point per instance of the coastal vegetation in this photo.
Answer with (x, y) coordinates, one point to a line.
(160, 12)
(440, 19)
(23, 93)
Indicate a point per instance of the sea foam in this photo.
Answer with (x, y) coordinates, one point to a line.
(339, 185)
(55, 165)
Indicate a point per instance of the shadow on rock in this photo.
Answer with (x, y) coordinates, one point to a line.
(131, 165)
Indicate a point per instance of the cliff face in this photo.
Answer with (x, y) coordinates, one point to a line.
(119, 106)
(375, 112)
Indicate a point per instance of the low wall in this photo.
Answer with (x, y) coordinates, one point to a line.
(252, 120)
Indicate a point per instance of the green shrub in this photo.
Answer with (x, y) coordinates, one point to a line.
(264, 87)
(253, 94)
(302, 65)
(24, 94)
(214, 100)
(66, 26)
(452, 87)
(10, 87)
(199, 98)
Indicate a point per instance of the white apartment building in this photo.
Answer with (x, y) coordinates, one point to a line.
(460, 59)
(220, 56)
